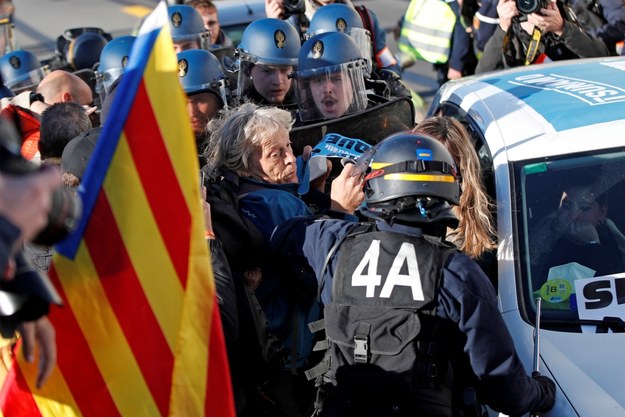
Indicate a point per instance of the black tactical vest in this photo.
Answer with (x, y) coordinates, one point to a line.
(382, 330)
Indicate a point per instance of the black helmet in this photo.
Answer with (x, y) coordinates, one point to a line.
(410, 177)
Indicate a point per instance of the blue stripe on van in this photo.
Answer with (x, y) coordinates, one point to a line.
(569, 96)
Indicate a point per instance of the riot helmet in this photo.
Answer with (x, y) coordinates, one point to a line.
(112, 62)
(199, 71)
(79, 48)
(267, 54)
(187, 28)
(339, 17)
(21, 70)
(84, 51)
(410, 178)
(330, 77)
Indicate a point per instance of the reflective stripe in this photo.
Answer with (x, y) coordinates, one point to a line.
(385, 58)
(427, 30)
(419, 177)
(487, 19)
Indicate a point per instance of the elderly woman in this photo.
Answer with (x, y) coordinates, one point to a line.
(253, 143)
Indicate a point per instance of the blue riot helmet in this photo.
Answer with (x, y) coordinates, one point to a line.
(113, 61)
(272, 46)
(339, 17)
(330, 77)
(187, 28)
(199, 71)
(21, 70)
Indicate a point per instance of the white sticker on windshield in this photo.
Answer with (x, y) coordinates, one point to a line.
(601, 297)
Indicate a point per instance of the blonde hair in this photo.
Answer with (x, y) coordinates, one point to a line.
(238, 132)
(475, 233)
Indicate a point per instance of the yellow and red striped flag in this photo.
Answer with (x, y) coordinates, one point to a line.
(140, 332)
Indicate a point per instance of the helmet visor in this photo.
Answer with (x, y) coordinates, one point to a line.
(27, 81)
(362, 37)
(106, 78)
(331, 92)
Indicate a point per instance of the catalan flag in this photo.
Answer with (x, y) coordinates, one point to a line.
(140, 333)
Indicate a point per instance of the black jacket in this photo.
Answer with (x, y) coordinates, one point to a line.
(574, 43)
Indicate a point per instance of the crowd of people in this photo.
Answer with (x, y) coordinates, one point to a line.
(478, 36)
(314, 284)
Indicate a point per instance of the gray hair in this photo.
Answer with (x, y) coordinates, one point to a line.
(239, 132)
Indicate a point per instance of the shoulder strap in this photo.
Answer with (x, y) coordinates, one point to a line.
(361, 228)
(532, 49)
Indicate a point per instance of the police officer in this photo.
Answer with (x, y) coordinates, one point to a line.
(342, 18)
(21, 70)
(204, 82)
(339, 17)
(112, 62)
(330, 78)
(404, 311)
(187, 28)
(268, 54)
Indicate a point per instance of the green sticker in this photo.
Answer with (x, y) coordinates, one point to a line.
(556, 290)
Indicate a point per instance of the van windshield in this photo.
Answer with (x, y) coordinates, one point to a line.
(571, 225)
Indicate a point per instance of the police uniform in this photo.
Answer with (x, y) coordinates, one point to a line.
(465, 297)
(404, 309)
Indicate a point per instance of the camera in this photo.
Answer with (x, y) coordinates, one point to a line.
(66, 208)
(294, 7)
(531, 6)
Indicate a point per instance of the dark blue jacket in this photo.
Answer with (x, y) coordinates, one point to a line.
(467, 298)
(286, 290)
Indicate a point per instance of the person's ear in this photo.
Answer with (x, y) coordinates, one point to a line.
(66, 97)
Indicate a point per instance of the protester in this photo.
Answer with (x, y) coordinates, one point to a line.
(60, 123)
(253, 142)
(475, 233)
(400, 301)
(25, 109)
(76, 156)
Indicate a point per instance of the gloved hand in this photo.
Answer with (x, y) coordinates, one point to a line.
(548, 391)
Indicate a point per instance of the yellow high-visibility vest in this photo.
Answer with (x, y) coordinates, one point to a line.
(427, 29)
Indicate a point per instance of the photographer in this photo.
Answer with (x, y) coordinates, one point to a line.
(551, 33)
(24, 205)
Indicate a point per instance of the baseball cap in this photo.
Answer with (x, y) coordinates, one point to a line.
(78, 151)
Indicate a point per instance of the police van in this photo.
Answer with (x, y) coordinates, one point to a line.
(551, 141)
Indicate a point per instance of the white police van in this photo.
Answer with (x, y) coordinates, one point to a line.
(551, 139)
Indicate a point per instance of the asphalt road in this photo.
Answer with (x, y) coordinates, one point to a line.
(39, 22)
